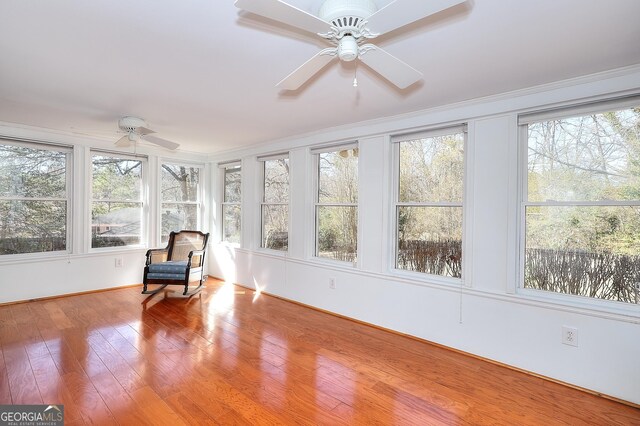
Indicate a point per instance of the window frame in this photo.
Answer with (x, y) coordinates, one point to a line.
(263, 160)
(144, 199)
(316, 152)
(464, 205)
(69, 194)
(223, 167)
(563, 112)
(200, 193)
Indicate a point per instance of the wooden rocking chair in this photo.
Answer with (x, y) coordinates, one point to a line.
(180, 263)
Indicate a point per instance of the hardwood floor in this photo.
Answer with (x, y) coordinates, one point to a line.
(227, 356)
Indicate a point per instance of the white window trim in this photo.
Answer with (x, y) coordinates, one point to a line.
(523, 121)
(144, 200)
(465, 280)
(69, 195)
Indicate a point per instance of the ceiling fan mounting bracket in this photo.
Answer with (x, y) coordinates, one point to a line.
(347, 18)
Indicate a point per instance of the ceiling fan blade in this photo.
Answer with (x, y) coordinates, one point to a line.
(399, 13)
(161, 142)
(143, 131)
(284, 12)
(388, 66)
(123, 142)
(308, 69)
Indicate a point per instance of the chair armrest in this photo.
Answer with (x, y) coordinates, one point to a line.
(198, 255)
(156, 256)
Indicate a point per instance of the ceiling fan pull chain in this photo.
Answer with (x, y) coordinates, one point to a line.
(355, 75)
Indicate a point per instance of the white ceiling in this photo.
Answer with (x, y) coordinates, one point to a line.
(203, 74)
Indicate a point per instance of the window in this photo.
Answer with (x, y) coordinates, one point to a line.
(231, 209)
(116, 200)
(180, 198)
(275, 203)
(429, 197)
(336, 207)
(581, 204)
(35, 197)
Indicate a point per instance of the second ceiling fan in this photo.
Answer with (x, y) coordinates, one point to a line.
(348, 24)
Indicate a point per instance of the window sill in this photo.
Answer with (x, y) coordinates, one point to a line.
(588, 305)
(19, 259)
(9, 259)
(420, 277)
(272, 252)
(119, 249)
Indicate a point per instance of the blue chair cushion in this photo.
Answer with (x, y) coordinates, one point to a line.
(171, 270)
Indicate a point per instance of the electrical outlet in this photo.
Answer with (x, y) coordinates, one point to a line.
(569, 335)
(118, 262)
(332, 283)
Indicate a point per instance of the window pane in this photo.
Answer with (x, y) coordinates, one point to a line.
(587, 158)
(232, 178)
(590, 251)
(33, 173)
(337, 232)
(231, 224)
(180, 183)
(432, 169)
(275, 222)
(176, 217)
(430, 240)
(32, 226)
(338, 176)
(115, 224)
(276, 181)
(116, 178)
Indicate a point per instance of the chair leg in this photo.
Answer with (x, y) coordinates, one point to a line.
(145, 291)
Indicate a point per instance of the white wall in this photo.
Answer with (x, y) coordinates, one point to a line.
(486, 314)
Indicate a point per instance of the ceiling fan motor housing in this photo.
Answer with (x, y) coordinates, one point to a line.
(346, 14)
(130, 124)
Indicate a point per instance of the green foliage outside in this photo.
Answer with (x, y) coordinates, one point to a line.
(116, 209)
(583, 217)
(337, 211)
(29, 224)
(430, 212)
(275, 207)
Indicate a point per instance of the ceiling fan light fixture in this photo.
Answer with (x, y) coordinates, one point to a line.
(348, 48)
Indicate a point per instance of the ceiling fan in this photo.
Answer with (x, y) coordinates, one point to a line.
(136, 130)
(348, 24)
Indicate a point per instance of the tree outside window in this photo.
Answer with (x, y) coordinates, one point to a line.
(337, 204)
(429, 202)
(34, 198)
(116, 205)
(582, 205)
(231, 204)
(180, 195)
(275, 204)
